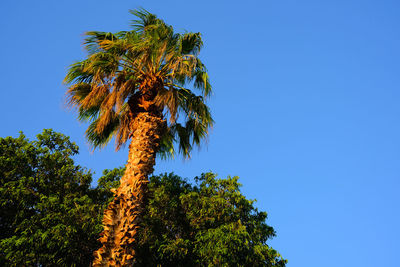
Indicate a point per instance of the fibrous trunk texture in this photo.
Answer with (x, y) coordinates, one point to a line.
(122, 217)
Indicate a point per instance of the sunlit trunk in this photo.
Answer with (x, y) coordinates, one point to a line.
(122, 218)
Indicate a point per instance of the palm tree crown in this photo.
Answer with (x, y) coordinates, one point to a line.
(147, 69)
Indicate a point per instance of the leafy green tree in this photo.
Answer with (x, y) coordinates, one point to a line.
(207, 224)
(48, 214)
(134, 85)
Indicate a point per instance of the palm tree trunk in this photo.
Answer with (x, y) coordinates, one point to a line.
(122, 218)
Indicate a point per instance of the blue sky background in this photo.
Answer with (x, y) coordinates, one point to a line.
(306, 104)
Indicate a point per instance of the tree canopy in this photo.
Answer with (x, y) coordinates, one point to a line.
(209, 223)
(51, 216)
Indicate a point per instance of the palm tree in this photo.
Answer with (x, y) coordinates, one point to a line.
(134, 86)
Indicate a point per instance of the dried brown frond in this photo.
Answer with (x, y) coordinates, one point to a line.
(110, 101)
(124, 130)
(168, 98)
(124, 90)
(106, 44)
(76, 93)
(105, 118)
(96, 95)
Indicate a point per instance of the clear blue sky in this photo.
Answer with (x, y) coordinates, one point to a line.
(306, 104)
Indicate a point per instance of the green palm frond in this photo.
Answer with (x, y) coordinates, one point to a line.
(191, 43)
(144, 19)
(99, 140)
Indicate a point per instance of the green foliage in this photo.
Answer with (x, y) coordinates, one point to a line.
(107, 182)
(50, 216)
(209, 224)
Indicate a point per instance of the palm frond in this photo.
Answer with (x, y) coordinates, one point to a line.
(78, 74)
(127, 72)
(169, 98)
(124, 130)
(167, 141)
(101, 139)
(94, 39)
(191, 43)
(144, 20)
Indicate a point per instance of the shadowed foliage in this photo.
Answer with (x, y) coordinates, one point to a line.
(49, 215)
